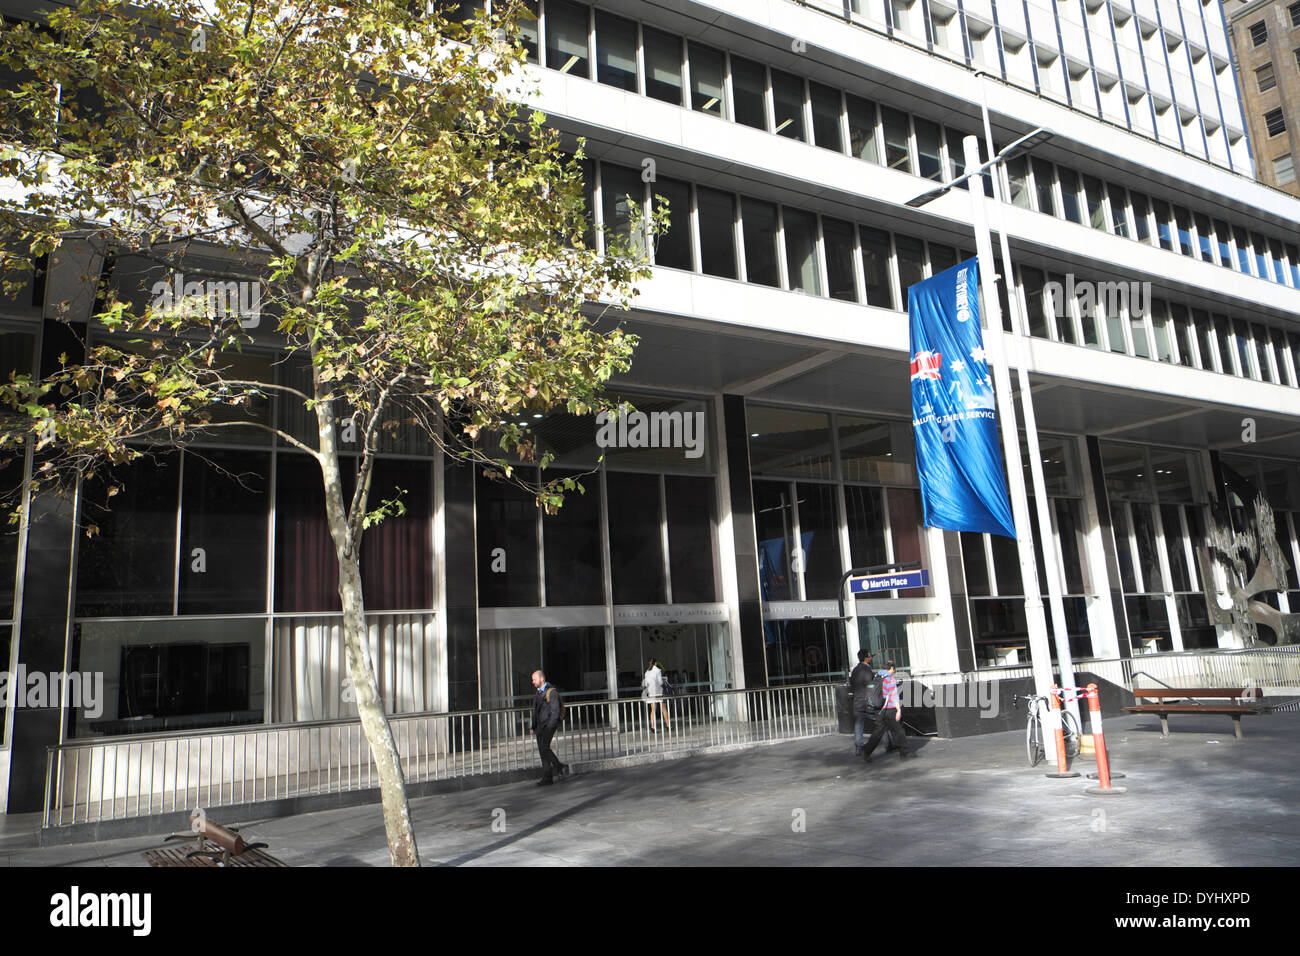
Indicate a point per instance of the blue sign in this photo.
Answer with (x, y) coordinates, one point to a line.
(953, 414)
(889, 581)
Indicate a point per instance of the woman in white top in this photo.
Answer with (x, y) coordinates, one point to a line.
(652, 689)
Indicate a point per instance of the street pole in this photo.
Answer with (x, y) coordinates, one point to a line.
(1019, 328)
(1039, 651)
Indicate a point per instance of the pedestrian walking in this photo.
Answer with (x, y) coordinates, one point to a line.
(546, 721)
(890, 718)
(860, 682)
(652, 690)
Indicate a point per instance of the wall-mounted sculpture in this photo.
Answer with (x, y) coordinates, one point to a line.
(1252, 563)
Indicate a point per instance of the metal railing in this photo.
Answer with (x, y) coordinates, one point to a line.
(1259, 666)
(119, 778)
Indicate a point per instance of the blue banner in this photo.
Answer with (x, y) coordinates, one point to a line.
(953, 414)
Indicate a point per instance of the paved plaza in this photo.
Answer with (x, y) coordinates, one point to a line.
(1199, 798)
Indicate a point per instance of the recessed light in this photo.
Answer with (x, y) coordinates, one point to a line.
(568, 66)
(785, 124)
(709, 104)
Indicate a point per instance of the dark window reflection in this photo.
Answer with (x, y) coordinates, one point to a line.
(635, 539)
(692, 539)
(673, 248)
(126, 568)
(759, 223)
(223, 533)
(572, 545)
(506, 520)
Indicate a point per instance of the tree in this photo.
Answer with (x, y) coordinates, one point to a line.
(417, 237)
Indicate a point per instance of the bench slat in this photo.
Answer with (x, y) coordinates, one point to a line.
(1194, 709)
(1230, 692)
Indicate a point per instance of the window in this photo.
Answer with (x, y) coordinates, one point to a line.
(1294, 10)
(566, 38)
(615, 51)
(622, 195)
(1032, 281)
(1163, 227)
(673, 248)
(928, 156)
(1265, 77)
(1018, 181)
(1181, 323)
(1275, 122)
(838, 237)
(1284, 170)
(1258, 33)
(787, 105)
(1141, 218)
(758, 222)
(1183, 223)
(717, 215)
(1243, 249)
(863, 142)
(1204, 236)
(663, 65)
(875, 266)
(911, 262)
(1261, 255)
(801, 251)
(1095, 195)
(1224, 235)
(707, 66)
(1160, 329)
(1043, 179)
(1070, 194)
(897, 147)
(528, 30)
(826, 117)
(749, 92)
(1118, 210)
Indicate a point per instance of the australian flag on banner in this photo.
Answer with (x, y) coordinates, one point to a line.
(953, 415)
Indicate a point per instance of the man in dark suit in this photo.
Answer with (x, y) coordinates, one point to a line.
(546, 721)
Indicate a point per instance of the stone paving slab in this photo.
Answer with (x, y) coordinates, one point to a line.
(1198, 798)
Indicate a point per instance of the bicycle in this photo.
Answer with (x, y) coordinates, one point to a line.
(1034, 727)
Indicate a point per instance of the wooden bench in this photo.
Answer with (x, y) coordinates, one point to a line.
(1183, 700)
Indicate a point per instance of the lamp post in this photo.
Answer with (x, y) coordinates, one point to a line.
(1019, 329)
(1036, 622)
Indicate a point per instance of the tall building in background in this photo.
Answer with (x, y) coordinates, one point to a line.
(1160, 285)
(1266, 43)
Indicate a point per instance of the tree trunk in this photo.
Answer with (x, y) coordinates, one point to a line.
(392, 784)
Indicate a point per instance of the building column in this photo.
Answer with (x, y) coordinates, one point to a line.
(1102, 557)
(42, 631)
(743, 593)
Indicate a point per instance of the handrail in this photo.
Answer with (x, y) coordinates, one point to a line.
(1152, 676)
(226, 731)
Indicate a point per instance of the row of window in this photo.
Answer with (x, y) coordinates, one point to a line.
(1259, 29)
(1138, 72)
(1157, 329)
(1056, 190)
(738, 237)
(640, 58)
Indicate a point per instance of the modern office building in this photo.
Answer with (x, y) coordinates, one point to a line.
(788, 138)
(1265, 37)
